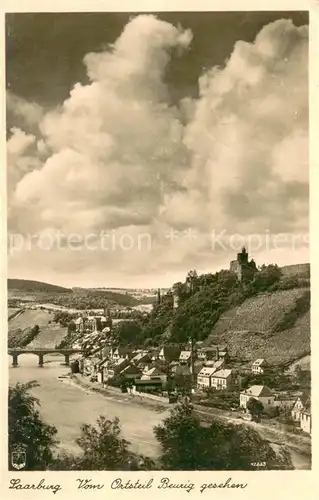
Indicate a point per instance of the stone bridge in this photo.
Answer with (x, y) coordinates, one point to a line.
(40, 352)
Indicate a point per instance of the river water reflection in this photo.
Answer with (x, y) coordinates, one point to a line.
(67, 406)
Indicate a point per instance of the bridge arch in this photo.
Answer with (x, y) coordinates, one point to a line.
(15, 352)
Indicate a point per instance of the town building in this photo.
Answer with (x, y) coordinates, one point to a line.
(94, 323)
(79, 325)
(90, 365)
(122, 352)
(259, 366)
(204, 377)
(154, 374)
(154, 354)
(206, 354)
(142, 359)
(300, 405)
(223, 353)
(213, 353)
(216, 364)
(140, 385)
(131, 372)
(116, 367)
(102, 371)
(305, 418)
(185, 357)
(260, 392)
(222, 379)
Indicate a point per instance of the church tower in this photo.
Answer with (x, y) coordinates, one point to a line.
(107, 314)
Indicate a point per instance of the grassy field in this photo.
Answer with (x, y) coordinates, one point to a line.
(31, 317)
(50, 334)
(12, 311)
(248, 329)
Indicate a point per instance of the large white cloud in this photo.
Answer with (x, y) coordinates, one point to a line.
(20, 160)
(123, 159)
(250, 122)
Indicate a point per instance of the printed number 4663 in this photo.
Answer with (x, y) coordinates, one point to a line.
(258, 464)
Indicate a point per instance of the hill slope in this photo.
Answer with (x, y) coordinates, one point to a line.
(49, 335)
(30, 317)
(35, 286)
(77, 298)
(249, 329)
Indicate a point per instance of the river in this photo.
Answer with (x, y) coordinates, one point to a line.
(66, 405)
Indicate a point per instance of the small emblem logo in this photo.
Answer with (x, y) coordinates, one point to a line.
(19, 458)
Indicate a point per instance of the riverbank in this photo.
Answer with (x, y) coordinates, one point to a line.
(70, 403)
(299, 446)
(68, 406)
(114, 392)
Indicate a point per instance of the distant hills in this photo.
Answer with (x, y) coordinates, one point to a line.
(78, 298)
(30, 286)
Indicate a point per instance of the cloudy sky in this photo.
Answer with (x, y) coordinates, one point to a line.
(142, 146)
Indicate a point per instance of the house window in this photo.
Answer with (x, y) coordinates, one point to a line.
(269, 401)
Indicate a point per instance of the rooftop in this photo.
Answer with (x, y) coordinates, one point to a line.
(207, 370)
(258, 390)
(185, 354)
(153, 372)
(259, 362)
(223, 373)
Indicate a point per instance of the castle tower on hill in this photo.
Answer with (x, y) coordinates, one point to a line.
(242, 267)
(165, 298)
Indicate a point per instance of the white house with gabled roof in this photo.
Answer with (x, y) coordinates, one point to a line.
(305, 418)
(299, 405)
(260, 392)
(204, 376)
(259, 366)
(185, 357)
(154, 374)
(222, 379)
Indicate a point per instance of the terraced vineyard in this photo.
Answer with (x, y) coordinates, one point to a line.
(248, 329)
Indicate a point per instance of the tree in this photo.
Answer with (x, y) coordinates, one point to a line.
(27, 430)
(128, 332)
(183, 384)
(62, 317)
(303, 377)
(187, 445)
(35, 330)
(180, 439)
(192, 282)
(103, 448)
(266, 277)
(180, 290)
(255, 408)
(71, 327)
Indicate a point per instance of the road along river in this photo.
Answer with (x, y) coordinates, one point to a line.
(67, 405)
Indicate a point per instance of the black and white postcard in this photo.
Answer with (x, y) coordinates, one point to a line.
(157, 282)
